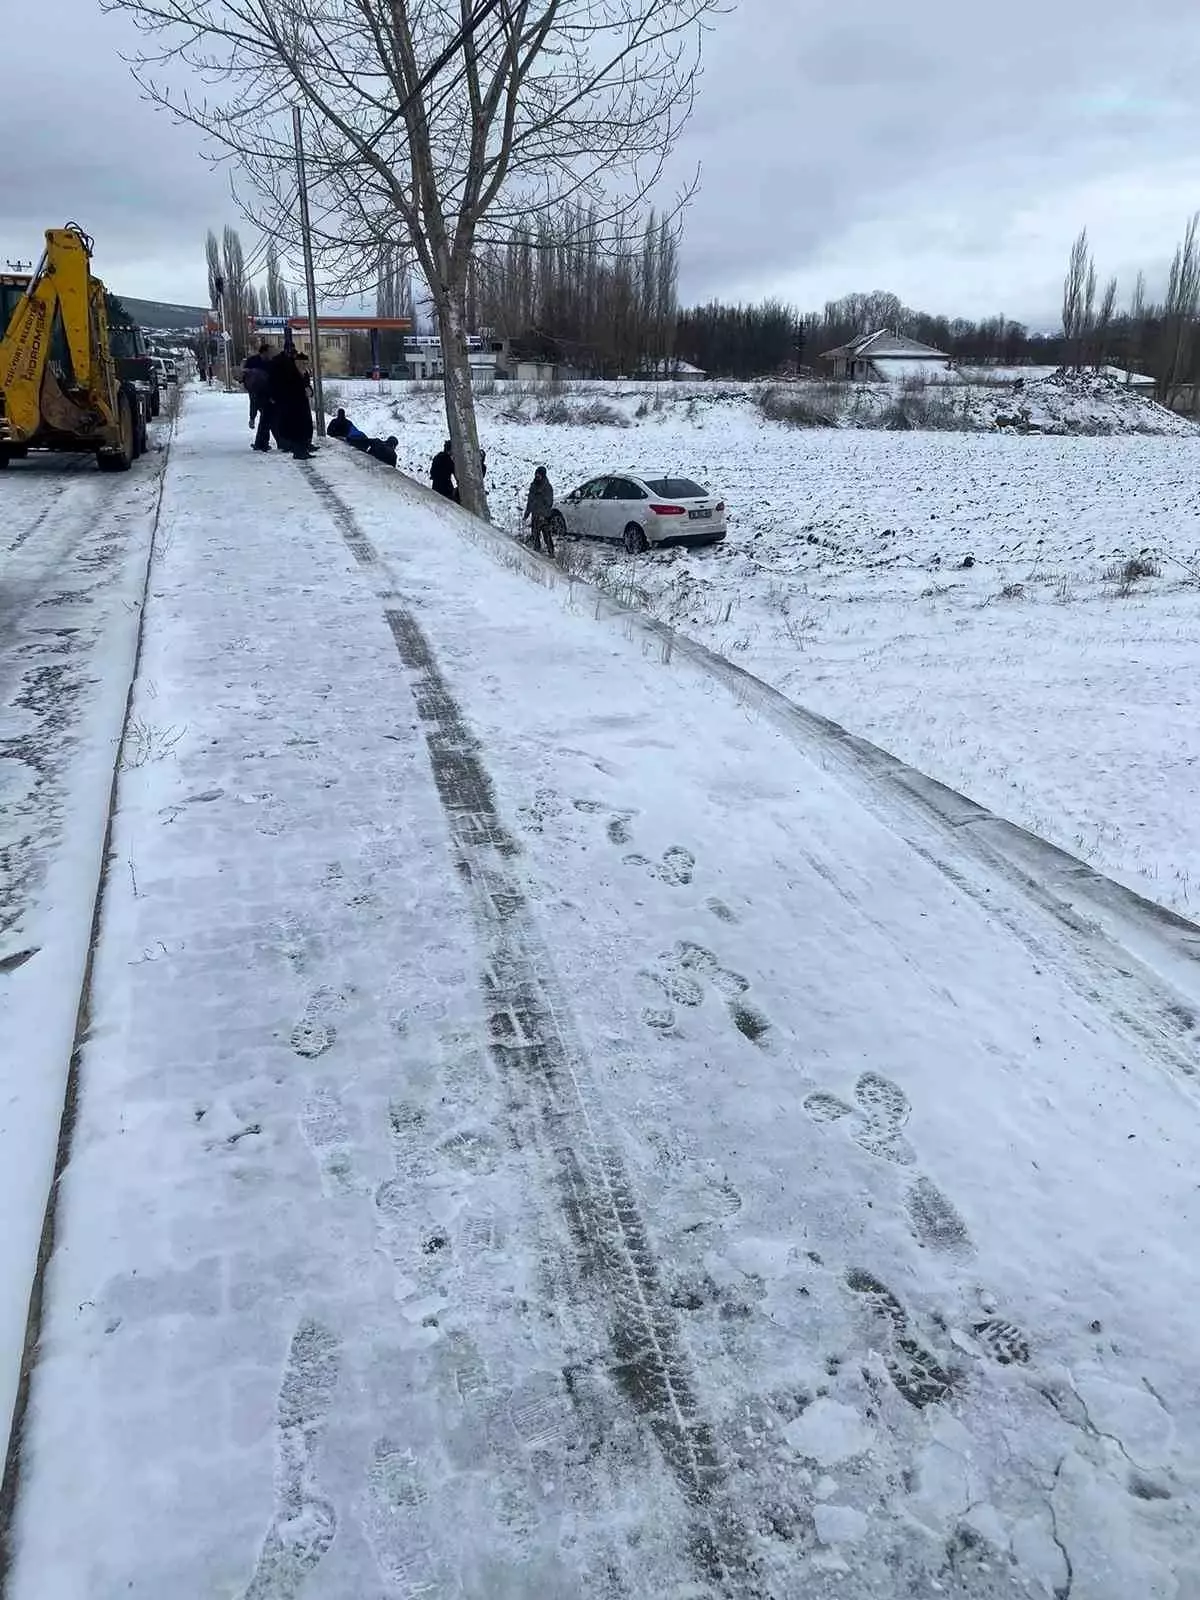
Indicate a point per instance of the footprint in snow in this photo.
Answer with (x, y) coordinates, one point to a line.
(915, 1371)
(883, 1110)
(1003, 1341)
(305, 1523)
(315, 1033)
(935, 1221)
(682, 974)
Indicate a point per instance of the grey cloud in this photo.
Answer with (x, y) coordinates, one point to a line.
(91, 150)
(930, 121)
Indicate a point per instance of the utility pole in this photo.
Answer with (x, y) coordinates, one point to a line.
(310, 281)
(219, 287)
(19, 266)
(225, 343)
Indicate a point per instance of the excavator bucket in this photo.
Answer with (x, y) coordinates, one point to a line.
(61, 414)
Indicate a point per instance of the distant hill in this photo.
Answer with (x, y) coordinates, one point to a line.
(156, 314)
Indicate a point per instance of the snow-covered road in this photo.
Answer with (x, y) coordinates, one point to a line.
(542, 1134)
(73, 550)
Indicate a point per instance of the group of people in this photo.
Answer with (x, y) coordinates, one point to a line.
(279, 386)
(382, 449)
(539, 502)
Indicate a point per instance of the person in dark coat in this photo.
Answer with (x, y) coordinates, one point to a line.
(441, 473)
(539, 508)
(292, 414)
(340, 426)
(256, 380)
(384, 450)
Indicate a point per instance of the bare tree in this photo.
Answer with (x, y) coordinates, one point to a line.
(574, 304)
(237, 294)
(1134, 326)
(1179, 313)
(1103, 324)
(1079, 295)
(212, 256)
(435, 126)
(276, 291)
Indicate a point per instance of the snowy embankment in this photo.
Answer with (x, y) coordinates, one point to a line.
(542, 1135)
(961, 599)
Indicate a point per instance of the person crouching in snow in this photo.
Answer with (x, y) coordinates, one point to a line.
(539, 506)
(340, 426)
(384, 450)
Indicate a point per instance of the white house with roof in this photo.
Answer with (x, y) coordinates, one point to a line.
(888, 357)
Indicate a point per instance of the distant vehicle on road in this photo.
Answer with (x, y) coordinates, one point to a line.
(134, 362)
(641, 509)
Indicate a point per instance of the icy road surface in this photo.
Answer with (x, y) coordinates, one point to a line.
(541, 1135)
(73, 550)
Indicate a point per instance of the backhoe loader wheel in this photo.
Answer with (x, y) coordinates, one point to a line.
(121, 459)
(4, 459)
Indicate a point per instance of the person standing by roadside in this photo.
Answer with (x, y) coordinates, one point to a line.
(256, 378)
(441, 473)
(290, 411)
(539, 508)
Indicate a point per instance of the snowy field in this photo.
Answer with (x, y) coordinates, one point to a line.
(960, 599)
(541, 1135)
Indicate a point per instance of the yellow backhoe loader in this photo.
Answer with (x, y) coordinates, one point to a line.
(60, 383)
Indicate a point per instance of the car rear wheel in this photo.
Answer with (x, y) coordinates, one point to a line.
(121, 458)
(634, 540)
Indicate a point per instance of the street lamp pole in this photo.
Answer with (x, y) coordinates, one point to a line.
(310, 281)
(224, 340)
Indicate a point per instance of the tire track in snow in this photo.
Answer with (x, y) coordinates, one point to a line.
(533, 1040)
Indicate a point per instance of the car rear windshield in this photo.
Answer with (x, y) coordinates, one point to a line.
(676, 488)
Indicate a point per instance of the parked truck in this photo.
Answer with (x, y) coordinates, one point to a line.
(61, 384)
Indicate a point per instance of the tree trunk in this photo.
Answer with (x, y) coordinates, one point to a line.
(460, 404)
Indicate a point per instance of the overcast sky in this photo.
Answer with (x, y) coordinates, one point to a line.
(945, 151)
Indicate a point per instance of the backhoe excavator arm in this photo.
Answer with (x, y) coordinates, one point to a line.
(79, 398)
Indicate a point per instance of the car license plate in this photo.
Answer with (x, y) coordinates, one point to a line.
(696, 515)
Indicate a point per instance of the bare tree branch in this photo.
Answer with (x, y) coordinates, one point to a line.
(434, 125)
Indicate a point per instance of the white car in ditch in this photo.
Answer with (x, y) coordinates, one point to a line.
(641, 509)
